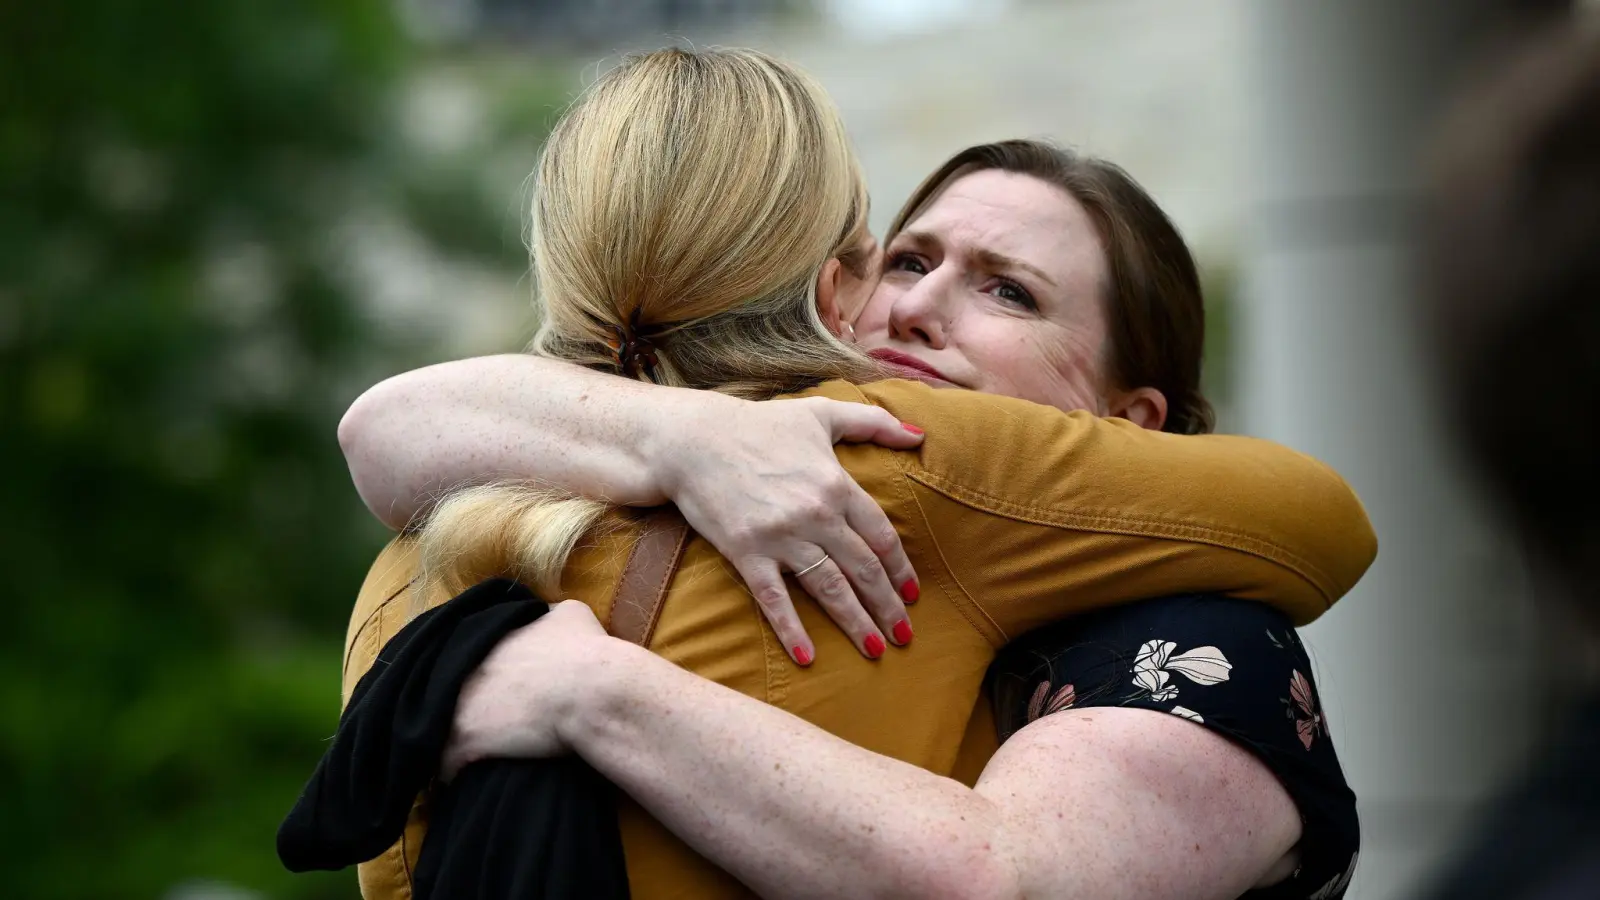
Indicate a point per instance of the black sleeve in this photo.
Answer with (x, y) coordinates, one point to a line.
(1233, 666)
(522, 828)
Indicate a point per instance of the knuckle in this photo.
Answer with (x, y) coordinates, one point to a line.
(749, 533)
(868, 570)
(816, 510)
(835, 484)
(772, 598)
(883, 538)
(831, 585)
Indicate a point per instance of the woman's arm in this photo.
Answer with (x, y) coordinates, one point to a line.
(758, 480)
(1040, 514)
(1081, 803)
(416, 435)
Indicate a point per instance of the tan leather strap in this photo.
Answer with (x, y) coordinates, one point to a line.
(637, 607)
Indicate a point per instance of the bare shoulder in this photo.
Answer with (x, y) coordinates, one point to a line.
(1154, 748)
(1136, 790)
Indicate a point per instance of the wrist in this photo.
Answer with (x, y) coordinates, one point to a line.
(674, 435)
(471, 731)
(606, 690)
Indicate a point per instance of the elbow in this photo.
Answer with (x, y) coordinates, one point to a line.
(1356, 542)
(1318, 532)
(358, 434)
(354, 426)
(1369, 540)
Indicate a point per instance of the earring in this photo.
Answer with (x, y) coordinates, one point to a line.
(851, 330)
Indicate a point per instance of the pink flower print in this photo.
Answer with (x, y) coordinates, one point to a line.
(1060, 700)
(1307, 720)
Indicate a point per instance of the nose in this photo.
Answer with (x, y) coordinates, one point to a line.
(922, 313)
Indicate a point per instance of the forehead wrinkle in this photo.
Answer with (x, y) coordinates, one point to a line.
(991, 259)
(999, 228)
(1027, 219)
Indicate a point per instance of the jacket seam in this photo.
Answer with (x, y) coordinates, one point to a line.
(775, 661)
(1119, 523)
(971, 604)
(963, 600)
(350, 649)
(405, 859)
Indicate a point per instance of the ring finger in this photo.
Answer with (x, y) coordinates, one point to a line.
(823, 580)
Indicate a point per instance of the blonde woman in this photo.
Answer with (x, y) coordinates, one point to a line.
(699, 223)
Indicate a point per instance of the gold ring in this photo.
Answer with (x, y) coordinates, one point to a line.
(812, 566)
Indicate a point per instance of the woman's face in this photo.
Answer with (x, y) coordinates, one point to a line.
(995, 286)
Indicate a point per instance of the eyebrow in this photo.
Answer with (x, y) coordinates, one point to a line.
(989, 259)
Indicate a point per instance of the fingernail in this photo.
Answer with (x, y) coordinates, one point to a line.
(802, 656)
(874, 646)
(912, 428)
(910, 591)
(902, 632)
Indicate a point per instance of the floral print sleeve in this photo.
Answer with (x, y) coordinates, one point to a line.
(1233, 666)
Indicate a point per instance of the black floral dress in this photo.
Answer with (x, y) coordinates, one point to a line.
(1233, 666)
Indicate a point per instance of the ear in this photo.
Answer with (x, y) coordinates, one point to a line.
(1145, 407)
(828, 295)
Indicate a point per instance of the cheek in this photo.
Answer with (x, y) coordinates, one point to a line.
(873, 320)
(855, 296)
(1049, 366)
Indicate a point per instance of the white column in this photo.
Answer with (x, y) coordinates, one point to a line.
(1429, 670)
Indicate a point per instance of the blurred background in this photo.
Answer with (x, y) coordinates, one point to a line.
(220, 221)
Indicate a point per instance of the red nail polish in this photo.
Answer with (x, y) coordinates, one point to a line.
(874, 646)
(902, 632)
(912, 428)
(802, 656)
(910, 591)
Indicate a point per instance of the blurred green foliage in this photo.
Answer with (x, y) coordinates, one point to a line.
(181, 324)
(180, 327)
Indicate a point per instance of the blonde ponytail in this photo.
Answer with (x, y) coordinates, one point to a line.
(696, 194)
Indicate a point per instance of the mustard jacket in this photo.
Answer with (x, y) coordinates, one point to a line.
(1014, 515)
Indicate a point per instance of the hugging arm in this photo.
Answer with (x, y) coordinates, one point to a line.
(758, 480)
(419, 434)
(1080, 803)
(1041, 514)
(1087, 511)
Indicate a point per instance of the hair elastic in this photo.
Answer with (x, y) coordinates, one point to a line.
(632, 350)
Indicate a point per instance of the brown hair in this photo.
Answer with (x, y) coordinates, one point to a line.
(1154, 306)
(1510, 274)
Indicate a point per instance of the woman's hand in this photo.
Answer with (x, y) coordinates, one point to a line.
(515, 703)
(760, 482)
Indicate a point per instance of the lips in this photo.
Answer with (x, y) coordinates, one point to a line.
(905, 365)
